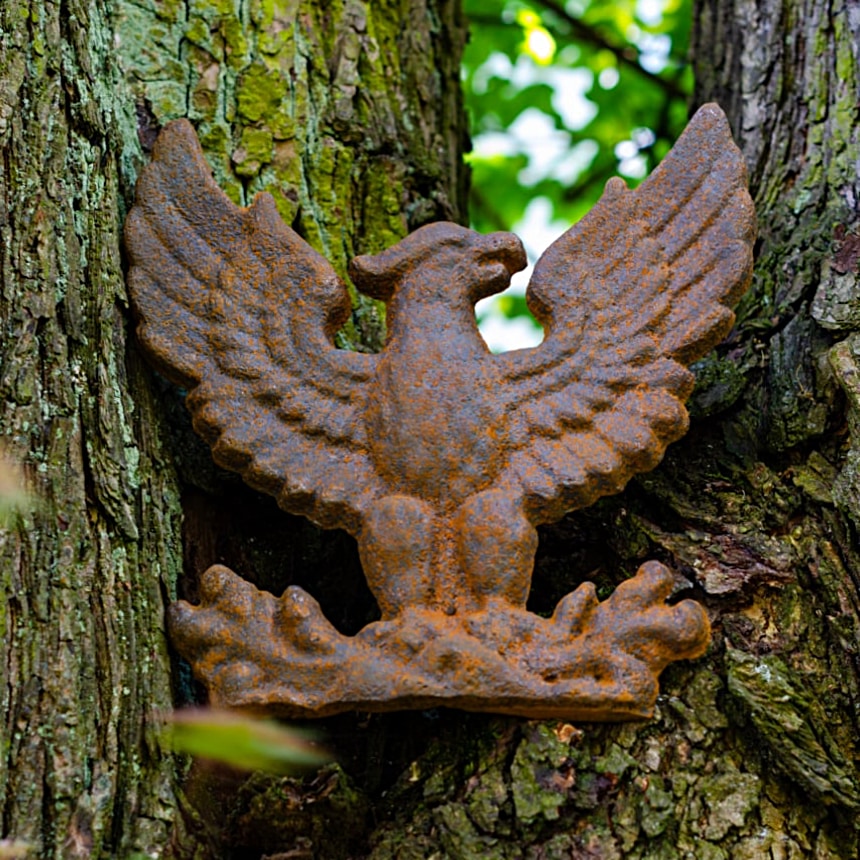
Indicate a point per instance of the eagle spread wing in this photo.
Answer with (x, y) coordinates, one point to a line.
(238, 309)
(631, 295)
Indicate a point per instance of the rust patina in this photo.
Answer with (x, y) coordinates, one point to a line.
(439, 457)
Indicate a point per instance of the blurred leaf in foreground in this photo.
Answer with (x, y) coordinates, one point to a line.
(243, 742)
(15, 495)
(15, 849)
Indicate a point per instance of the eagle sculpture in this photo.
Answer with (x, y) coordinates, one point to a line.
(438, 456)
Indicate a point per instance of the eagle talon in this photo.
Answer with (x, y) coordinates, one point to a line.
(589, 661)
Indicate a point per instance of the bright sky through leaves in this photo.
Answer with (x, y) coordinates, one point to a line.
(563, 96)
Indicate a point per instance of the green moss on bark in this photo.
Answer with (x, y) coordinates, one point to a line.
(85, 670)
(338, 112)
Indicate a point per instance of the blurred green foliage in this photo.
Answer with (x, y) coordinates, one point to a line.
(242, 741)
(562, 96)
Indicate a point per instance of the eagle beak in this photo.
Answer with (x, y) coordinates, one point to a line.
(499, 255)
(505, 248)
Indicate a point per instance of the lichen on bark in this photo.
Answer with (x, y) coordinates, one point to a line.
(84, 670)
(349, 114)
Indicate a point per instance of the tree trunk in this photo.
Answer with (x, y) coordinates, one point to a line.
(85, 667)
(350, 114)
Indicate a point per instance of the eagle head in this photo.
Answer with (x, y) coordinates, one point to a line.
(440, 258)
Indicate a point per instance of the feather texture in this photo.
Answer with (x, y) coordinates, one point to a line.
(629, 296)
(240, 310)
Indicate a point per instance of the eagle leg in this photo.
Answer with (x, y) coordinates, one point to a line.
(396, 549)
(496, 547)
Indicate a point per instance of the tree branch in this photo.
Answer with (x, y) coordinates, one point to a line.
(593, 176)
(490, 213)
(627, 55)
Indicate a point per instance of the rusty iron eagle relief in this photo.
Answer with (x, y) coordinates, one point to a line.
(439, 457)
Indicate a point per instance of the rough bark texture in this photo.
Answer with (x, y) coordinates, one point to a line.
(84, 668)
(349, 113)
(352, 116)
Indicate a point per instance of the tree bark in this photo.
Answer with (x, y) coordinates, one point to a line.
(753, 750)
(350, 114)
(85, 668)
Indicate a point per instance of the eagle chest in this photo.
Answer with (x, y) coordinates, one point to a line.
(435, 426)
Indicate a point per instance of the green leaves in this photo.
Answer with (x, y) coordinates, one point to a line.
(562, 97)
(243, 742)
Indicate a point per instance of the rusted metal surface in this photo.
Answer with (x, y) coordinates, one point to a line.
(439, 457)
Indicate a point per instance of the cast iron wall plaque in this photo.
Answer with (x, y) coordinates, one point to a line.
(438, 456)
